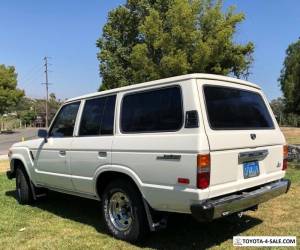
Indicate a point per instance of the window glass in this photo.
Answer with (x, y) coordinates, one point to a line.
(63, 125)
(91, 117)
(98, 116)
(107, 125)
(231, 108)
(152, 111)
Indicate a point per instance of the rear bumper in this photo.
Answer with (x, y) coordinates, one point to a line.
(219, 207)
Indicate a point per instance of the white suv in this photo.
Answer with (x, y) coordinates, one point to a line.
(198, 144)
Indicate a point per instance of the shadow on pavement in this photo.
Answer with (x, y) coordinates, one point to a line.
(8, 132)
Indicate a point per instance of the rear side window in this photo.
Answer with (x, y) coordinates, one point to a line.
(63, 125)
(107, 124)
(98, 117)
(231, 108)
(152, 111)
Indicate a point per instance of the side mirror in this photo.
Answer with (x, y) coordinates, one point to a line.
(43, 133)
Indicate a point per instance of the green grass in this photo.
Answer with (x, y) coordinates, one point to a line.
(65, 222)
(3, 166)
(293, 173)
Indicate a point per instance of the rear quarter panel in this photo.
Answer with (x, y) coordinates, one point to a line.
(159, 178)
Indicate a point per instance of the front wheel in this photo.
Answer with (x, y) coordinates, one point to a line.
(23, 189)
(123, 211)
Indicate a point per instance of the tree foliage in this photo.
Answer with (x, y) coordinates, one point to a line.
(283, 116)
(9, 94)
(290, 78)
(278, 106)
(29, 109)
(151, 39)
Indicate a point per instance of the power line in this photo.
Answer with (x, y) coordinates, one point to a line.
(32, 73)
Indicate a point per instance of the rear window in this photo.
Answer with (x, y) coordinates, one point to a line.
(231, 108)
(152, 111)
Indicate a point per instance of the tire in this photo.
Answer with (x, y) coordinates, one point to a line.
(23, 189)
(123, 195)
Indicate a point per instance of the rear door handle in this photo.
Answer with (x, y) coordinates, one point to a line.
(253, 155)
(62, 152)
(102, 154)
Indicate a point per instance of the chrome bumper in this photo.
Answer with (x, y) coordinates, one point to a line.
(244, 200)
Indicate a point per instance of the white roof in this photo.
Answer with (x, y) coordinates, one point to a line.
(167, 80)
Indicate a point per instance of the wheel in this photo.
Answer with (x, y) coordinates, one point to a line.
(24, 193)
(123, 211)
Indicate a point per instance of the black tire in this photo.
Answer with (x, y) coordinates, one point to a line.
(139, 225)
(23, 188)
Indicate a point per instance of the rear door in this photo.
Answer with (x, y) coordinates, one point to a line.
(91, 147)
(246, 144)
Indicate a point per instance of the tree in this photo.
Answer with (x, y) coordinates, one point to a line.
(28, 117)
(26, 111)
(151, 39)
(29, 109)
(9, 94)
(53, 105)
(290, 77)
(278, 107)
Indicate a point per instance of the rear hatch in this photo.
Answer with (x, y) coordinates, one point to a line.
(246, 144)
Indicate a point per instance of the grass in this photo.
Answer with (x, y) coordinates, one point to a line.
(65, 222)
(3, 166)
(292, 135)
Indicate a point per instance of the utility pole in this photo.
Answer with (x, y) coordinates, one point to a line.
(47, 87)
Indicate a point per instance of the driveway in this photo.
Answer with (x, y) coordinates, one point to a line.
(6, 140)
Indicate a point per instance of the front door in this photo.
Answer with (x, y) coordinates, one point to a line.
(52, 157)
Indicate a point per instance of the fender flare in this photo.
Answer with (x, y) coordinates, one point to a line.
(120, 169)
(20, 157)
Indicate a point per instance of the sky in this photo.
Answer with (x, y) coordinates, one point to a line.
(67, 31)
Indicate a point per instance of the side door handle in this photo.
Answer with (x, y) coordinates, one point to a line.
(62, 152)
(102, 154)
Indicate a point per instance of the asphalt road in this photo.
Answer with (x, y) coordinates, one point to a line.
(6, 140)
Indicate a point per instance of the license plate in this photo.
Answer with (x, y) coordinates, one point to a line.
(251, 169)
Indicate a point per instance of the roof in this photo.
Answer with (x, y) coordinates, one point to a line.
(167, 80)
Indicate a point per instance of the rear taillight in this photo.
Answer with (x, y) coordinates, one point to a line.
(203, 171)
(285, 157)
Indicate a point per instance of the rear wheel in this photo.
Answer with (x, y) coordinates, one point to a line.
(123, 211)
(23, 189)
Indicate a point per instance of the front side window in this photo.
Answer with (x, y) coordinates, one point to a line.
(64, 123)
(98, 117)
(233, 108)
(152, 111)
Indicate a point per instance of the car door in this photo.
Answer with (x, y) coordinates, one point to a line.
(246, 145)
(91, 147)
(52, 156)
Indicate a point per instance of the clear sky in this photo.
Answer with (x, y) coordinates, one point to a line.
(67, 30)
